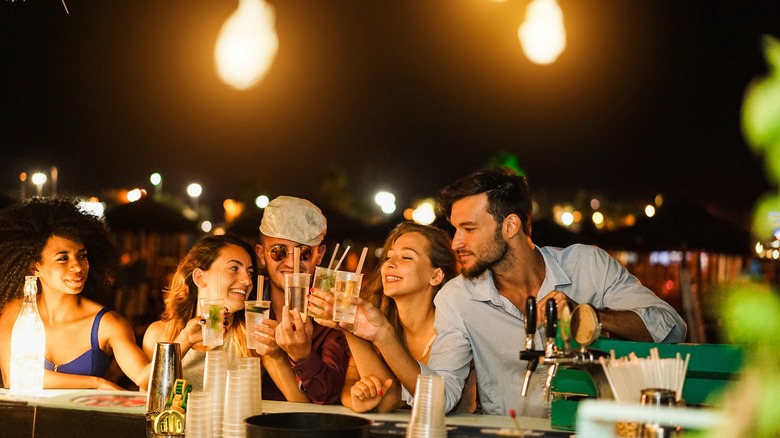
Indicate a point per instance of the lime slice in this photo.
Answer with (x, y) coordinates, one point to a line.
(257, 309)
(215, 316)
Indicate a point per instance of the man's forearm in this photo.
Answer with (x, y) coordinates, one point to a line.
(624, 324)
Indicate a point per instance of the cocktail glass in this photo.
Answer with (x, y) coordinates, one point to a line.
(255, 312)
(213, 311)
(347, 286)
(296, 292)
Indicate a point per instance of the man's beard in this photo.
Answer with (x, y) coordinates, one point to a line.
(496, 252)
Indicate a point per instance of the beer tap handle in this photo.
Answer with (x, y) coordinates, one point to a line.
(551, 316)
(550, 327)
(530, 322)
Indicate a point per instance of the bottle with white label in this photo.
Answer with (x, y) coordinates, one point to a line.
(28, 343)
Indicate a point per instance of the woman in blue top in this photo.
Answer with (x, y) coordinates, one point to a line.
(70, 252)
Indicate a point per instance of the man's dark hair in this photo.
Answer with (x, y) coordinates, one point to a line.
(507, 193)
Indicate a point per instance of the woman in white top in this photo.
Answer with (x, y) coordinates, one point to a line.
(216, 266)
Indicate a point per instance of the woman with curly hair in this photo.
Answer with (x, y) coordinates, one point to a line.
(70, 252)
(416, 262)
(216, 266)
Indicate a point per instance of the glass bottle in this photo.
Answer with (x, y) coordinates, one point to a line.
(28, 343)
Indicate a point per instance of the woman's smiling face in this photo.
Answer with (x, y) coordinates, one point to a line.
(64, 266)
(230, 277)
(407, 267)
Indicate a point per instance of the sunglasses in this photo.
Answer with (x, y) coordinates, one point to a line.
(280, 252)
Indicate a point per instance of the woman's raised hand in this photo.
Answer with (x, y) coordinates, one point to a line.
(370, 323)
(321, 307)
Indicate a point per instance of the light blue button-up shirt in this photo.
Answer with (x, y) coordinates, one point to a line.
(475, 322)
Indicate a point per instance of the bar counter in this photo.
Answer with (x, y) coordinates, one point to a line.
(120, 414)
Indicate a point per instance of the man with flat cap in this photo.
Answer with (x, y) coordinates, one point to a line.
(304, 361)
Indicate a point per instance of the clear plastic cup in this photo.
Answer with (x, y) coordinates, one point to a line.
(324, 278)
(296, 292)
(253, 367)
(347, 286)
(428, 410)
(254, 313)
(213, 311)
(198, 419)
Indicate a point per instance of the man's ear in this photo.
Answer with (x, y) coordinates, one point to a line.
(260, 251)
(437, 278)
(512, 225)
(198, 278)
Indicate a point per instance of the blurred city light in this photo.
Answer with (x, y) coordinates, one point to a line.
(194, 190)
(39, 179)
(567, 218)
(598, 219)
(206, 226)
(233, 209)
(386, 202)
(424, 213)
(262, 201)
(156, 180)
(649, 211)
(542, 34)
(247, 44)
(134, 195)
(93, 207)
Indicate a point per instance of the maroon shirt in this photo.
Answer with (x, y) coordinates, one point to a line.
(321, 376)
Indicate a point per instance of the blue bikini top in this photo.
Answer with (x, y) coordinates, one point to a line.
(93, 362)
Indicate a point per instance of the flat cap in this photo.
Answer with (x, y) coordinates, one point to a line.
(294, 219)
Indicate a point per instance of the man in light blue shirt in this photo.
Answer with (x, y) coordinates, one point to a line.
(479, 315)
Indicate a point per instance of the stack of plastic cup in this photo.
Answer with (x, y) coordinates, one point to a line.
(238, 403)
(214, 377)
(198, 420)
(253, 367)
(428, 410)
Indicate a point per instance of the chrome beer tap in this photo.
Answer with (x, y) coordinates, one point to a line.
(550, 350)
(529, 354)
(585, 327)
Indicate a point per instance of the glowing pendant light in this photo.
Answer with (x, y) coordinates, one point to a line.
(247, 44)
(542, 34)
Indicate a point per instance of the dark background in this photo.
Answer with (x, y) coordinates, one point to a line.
(402, 95)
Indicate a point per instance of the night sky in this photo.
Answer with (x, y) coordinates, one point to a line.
(403, 95)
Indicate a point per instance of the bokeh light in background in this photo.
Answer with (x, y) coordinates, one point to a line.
(262, 201)
(134, 195)
(385, 201)
(542, 34)
(424, 213)
(247, 45)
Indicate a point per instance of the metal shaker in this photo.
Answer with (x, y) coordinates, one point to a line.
(166, 368)
(652, 397)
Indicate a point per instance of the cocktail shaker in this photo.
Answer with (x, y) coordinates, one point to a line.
(166, 368)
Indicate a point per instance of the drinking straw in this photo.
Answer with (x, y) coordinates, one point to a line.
(608, 373)
(682, 380)
(296, 260)
(333, 257)
(362, 259)
(346, 250)
(259, 293)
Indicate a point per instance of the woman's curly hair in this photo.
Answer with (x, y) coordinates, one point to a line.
(26, 227)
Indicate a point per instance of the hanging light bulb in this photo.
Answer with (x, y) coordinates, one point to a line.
(247, 44)
(542, 34)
